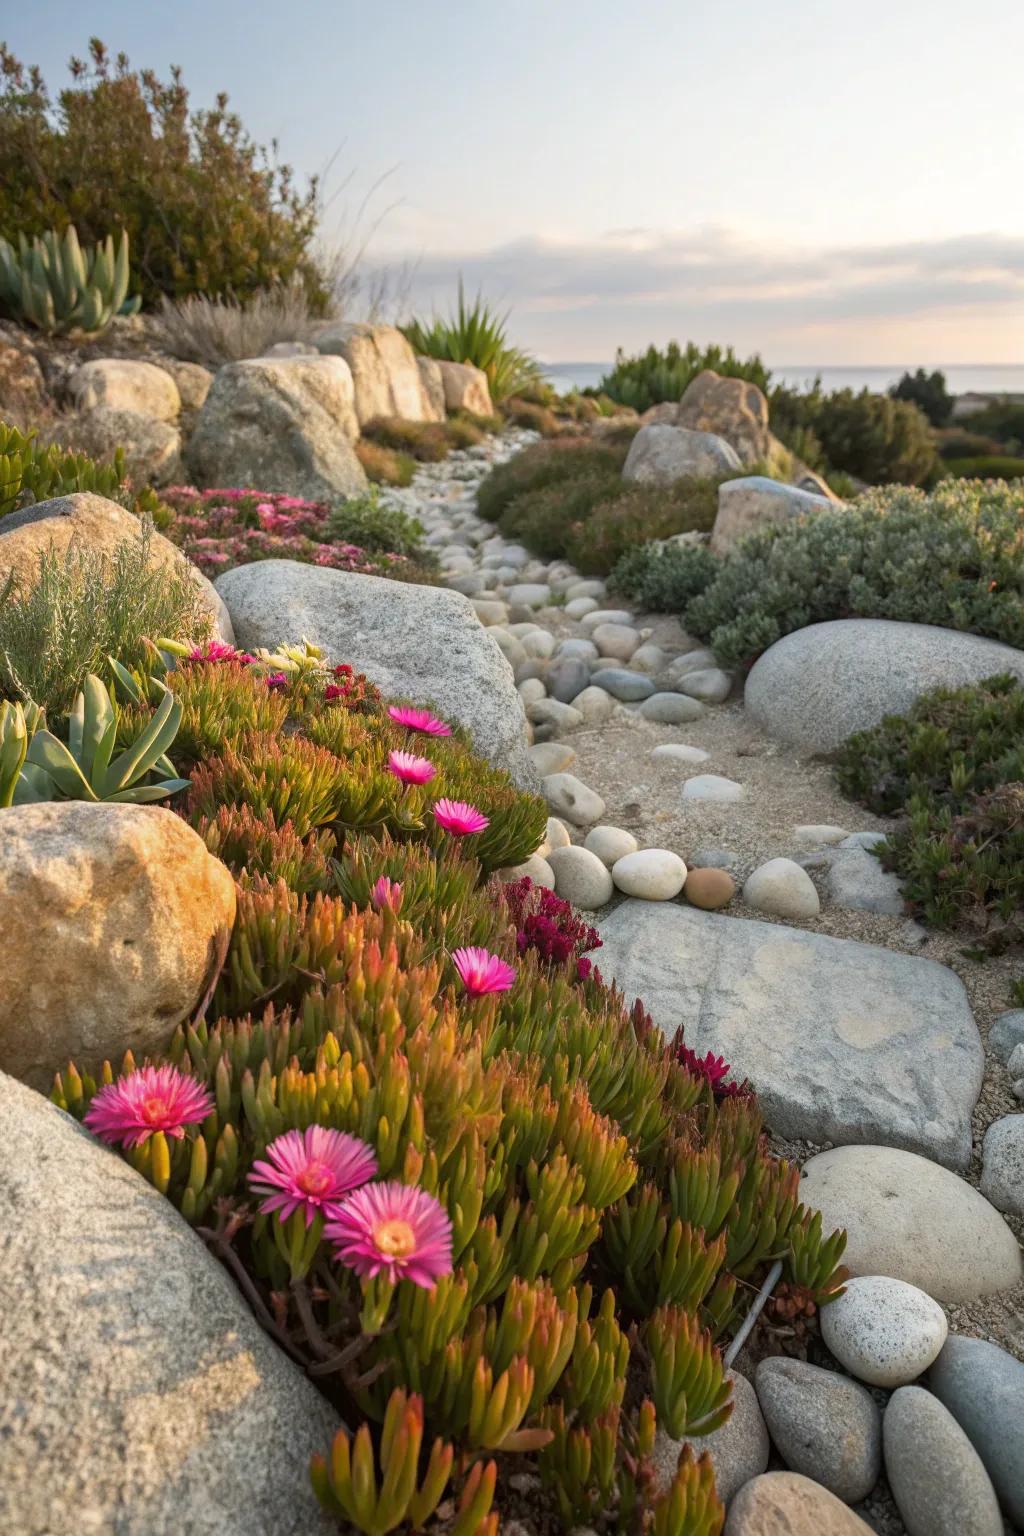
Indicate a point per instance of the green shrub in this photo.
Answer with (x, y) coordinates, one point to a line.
(206, 210)
(51, 283)
(476, 334)
(653, 377)
(955, 443)
(374, 525)
(953, 558)
(544, 464)
(608, 1202)
(543, 519)
(1002, 420)
(951, 743)
(82, 607)
(985, 467)
(955, 764)
(927, 391)
(30, 472)
(664, 579)
(872, 437)
(385, 466)
(635, 515)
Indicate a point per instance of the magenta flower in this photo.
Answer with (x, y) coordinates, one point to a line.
(277, 682)
(216, 650)
(481, 972)
(394, 1228)
(151, 1099)
(458, 818)
(410, 768)
(314, 1169)
(387, 893)
(418, 720)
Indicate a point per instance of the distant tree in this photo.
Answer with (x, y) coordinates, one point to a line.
(929, 392)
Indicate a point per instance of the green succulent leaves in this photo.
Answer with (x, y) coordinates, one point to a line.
(53, 284)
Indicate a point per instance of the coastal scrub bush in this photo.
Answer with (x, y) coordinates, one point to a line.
(215, 331)
(206, 210)
(954, 557)
(480, 1200)
(81, 607)
(987, 466)
(874, 438)
(1002, 420)
(664, 578)
(954, 763)
(653, 377)
(545, 464)
(219, 529)
(927, 391)
(544, 519)
(375, 526)
(475, 334)
(636, 515)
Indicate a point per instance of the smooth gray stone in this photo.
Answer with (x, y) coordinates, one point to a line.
(671, 708)
(628, 687)
(818, 685)
(140, 1394)
(937, 1478)
(857, 882)
(567, 676)
(822, 1424)
(983, 1388)
(1002, 1173)
(844, 1042)
(1006, 1033)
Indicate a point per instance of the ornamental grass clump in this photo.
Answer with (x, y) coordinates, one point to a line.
(492, 1213)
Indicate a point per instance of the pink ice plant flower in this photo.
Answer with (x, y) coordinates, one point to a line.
(410, 768)
(216, 650)
(387, 893)
(394, 1229)
(313, 1170)
(418, 720)
(150, 1099)
(459, 818)
(481, 972)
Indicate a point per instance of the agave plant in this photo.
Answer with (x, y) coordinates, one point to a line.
(85, 768)
(55, 285)
(476, 334)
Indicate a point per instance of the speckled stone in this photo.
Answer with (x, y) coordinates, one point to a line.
(937, 1478)
(983, 1388)
(786, 1504)
(822, 1424)
(884, 1331)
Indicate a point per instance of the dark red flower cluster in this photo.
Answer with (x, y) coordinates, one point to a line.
(350, 688)
(714, 1069)
(549, 925)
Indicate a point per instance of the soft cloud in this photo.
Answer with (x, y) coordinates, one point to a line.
(957, 299)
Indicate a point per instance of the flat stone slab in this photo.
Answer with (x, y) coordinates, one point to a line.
(843, 1042)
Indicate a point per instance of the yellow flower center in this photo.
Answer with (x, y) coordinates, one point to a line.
(315, 1179)
(154, 1111)
(395, 1238)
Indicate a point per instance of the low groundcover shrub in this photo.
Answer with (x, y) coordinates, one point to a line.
(954, 558)
(955, 764)
(480, 1200)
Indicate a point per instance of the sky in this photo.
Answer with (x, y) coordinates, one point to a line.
(820, 181)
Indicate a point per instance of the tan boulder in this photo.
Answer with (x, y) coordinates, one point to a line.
(282, 424)
(121, 384)
(731, 408)
(786, 1504)
(192, 379)
(152, 448)
(432, 380)
(95, 523)
(754, 503)
(385, 374)
(22, 387)
(466, 388)
(111, 915)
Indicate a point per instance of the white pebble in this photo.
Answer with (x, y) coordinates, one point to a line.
(676, 752)
(884, 1331)
(712, 786)
(653, 874)
(610, 843)
(782, 889)
(581, 878)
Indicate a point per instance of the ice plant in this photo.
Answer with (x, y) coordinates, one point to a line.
(418, 720)
(410, 768)
(277, 682)
(150, 1099)
(387, 893)
(394, 1229)
(481, 972)
(216, 650)
(459, 818)
(313, 1169)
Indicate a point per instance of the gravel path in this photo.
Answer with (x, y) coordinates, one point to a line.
(643, 795)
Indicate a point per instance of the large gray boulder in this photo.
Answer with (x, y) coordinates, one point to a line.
(910, 1219)
(141, 1398)
(983, 1388)
(755, 503)
(843, 1042)
(660, 455)
(283, 424)
(385, 374)
(817, 686)
(152, 448)
(422, 642)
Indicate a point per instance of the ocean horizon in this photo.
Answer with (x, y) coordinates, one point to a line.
(961, 378)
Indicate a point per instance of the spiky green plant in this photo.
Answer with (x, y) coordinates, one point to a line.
(475, 334)
(55, 285)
